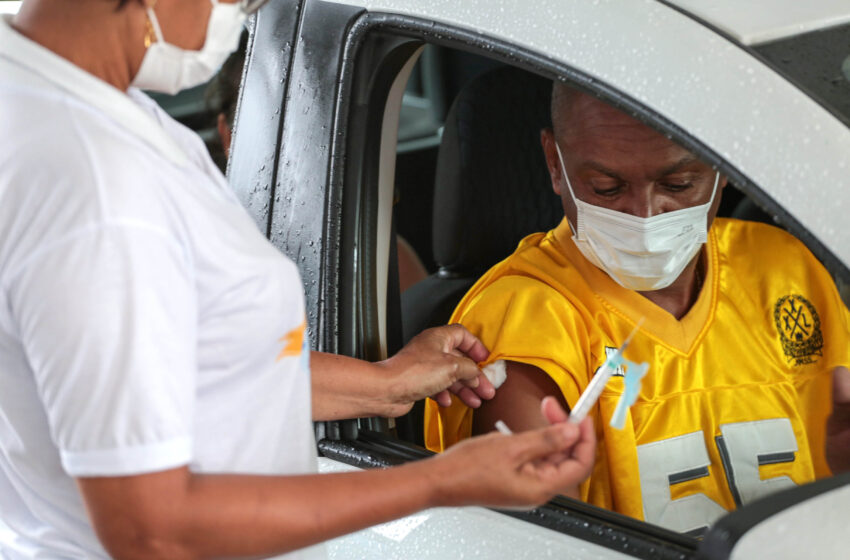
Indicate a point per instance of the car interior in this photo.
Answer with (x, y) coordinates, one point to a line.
(491, 188)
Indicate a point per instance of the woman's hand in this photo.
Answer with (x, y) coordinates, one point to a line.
(435, 363)
(516, 471)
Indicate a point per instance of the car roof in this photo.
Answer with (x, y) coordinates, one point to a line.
(761, 21)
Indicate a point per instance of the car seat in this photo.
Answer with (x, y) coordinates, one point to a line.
(492, 189)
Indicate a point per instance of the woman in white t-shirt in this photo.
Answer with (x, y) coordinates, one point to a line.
(156, 392)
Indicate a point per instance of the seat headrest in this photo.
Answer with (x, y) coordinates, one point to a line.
(492, 186)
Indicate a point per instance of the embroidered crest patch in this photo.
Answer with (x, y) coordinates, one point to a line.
(799, 329)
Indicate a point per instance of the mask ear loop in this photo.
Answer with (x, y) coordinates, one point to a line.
(714, 190)
(569, 187)
(564, 172)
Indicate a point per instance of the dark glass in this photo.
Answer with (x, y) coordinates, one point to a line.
(817, 62)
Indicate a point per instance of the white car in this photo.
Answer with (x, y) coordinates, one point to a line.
(351, 111)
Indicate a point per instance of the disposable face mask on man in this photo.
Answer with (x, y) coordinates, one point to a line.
(169, 69)
(641, 254)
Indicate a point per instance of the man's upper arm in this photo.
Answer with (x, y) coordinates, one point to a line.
(526, 322)
(517, 402)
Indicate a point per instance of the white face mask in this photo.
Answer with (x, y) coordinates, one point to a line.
(169, 69)
(641, 254)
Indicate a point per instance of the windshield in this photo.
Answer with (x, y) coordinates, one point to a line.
(818, 62)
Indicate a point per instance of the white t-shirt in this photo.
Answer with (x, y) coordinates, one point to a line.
(145, 322)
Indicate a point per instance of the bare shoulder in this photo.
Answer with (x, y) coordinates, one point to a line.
(517, 402)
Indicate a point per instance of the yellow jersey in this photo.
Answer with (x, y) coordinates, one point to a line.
(738, 392)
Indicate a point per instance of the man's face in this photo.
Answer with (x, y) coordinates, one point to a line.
(616, 162)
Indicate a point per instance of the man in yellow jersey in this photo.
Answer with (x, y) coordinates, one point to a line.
(744, 330)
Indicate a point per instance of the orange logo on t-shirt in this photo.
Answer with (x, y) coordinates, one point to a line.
(293, 340)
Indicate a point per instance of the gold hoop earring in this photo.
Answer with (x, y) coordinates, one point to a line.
(150, 34)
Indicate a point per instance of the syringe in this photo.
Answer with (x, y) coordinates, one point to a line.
(594, 388)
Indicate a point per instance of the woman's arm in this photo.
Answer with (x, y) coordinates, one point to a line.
(434, 362)
(176, 514)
